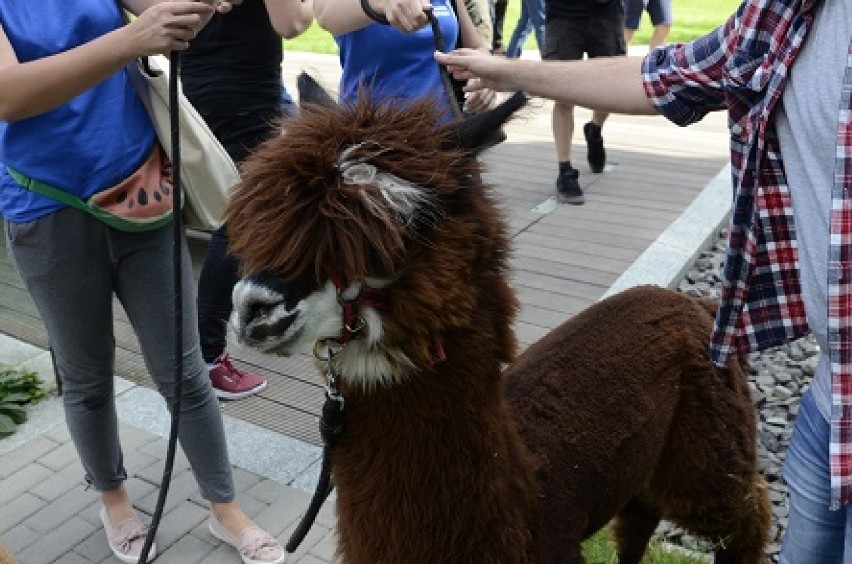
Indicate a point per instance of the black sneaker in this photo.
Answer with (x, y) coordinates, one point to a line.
(594, 143)
(568, 189)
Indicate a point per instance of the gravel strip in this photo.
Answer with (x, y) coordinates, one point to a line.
(777, 378)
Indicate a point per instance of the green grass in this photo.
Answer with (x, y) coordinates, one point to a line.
(692, 18)
(600, 550)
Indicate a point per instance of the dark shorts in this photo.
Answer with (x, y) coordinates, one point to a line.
(660, 12)
(570, 39)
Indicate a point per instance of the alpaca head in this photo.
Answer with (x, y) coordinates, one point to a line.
(368, 224)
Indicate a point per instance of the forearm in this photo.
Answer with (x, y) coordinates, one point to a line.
(34, 87)
(611, 84)
(290, 17)
(342, 16)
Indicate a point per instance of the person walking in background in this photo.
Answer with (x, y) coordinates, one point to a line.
(660, 12)
(232, 75)
(782, 71)
(531, 18)
(396, 60)
(575, 28)
(70, 119)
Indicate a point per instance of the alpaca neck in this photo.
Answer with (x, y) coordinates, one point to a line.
(433, 470)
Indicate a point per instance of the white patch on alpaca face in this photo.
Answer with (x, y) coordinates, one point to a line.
(262, 320)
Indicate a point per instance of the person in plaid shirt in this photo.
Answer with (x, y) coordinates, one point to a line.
(783, 71)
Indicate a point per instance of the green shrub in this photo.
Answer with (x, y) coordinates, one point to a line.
(18, 387)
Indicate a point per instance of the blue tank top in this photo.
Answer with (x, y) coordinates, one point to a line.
(397, 65)
(85, 145)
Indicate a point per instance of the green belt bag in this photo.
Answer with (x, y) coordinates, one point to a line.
(127, 207)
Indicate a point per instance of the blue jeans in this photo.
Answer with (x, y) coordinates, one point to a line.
(814, 534)
(531, 17)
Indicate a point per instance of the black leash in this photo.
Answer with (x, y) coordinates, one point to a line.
(331, 425)
(174, 69)
(445, 74)
(440, 45)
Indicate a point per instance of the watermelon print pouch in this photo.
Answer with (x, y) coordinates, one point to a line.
(141, 202)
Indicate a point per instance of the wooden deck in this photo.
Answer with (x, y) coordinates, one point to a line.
(565, 256)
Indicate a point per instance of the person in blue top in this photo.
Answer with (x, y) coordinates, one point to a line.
(396, 60)
(70, 119)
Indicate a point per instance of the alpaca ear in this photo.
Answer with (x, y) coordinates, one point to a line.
(310, 92)
(484, 130)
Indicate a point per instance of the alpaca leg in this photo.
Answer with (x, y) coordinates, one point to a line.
(634, 525)
(750, 529)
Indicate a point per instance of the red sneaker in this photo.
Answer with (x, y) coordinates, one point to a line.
(229, 382)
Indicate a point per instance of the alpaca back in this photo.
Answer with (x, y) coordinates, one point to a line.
(622, 401)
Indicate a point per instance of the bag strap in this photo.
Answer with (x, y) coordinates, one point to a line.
(51, 192)
(63, 197)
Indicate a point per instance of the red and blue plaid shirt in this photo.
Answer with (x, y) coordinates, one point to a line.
(742, 66)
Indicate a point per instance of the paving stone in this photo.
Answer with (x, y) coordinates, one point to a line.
(154, 472)
(21, 481)
(62, 540)
(187, 550)
(312, 559)
(60, 457)
(19, 509)
(135, 439)
(95, 547)
(326, 547)
(74, 558)
(24, 455)
(19, 537)
(183, 486)
(59, 483)
(178, 523)
(58, 433)
(224, 554)
(64, 508)
(284, 512)
(267, 491)
(244, 480)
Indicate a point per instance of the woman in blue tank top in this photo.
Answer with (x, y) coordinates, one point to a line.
(70, 119)
(395, 61)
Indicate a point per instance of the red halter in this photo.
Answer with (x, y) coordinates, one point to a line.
(353, 322)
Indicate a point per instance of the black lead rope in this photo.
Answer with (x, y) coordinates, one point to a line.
(439, 45)
(445, 74)
(174, 69)
(331, 426)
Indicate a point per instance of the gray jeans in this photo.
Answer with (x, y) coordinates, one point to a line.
(72, 265)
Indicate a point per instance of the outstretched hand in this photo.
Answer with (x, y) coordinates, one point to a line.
(481, 70)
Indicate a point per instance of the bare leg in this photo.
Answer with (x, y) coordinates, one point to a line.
(117, 503)
(231, 516)
(563, 130)
(661, 32)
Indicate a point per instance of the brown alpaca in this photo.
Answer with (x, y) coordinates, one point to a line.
(366, 231)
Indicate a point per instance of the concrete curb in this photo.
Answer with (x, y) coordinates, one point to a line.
(667, 259)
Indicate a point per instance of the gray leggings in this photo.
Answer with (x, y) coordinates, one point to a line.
(72, 264)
